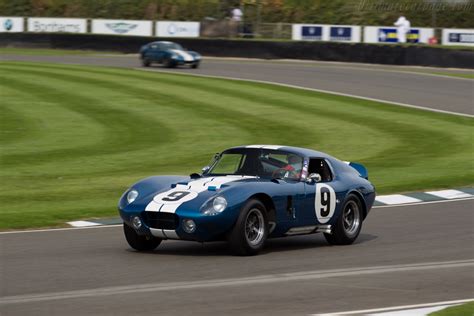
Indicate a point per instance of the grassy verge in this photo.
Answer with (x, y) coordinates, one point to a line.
(461, 310)
(73, 138)
(458, 75)
(50, 52)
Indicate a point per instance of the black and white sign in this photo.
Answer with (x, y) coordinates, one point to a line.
(177, 29)
(57, 25)
(122, 27)
(458, 37)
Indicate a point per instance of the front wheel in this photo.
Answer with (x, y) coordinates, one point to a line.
(348, 225)
(169, 63)
(251, 229)
(195, 65)
(139, 242)
(146, 62)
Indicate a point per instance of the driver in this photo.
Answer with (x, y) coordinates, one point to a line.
(295, 164)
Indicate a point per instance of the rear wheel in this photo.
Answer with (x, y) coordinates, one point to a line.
(348, 225)
(250, 231)
(139, 242)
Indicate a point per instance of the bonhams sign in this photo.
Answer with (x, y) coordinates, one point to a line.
(57, 25)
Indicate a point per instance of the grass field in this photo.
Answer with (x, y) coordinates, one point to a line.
(461, 310)
(458, 75)
(50, 52)
(73, 138)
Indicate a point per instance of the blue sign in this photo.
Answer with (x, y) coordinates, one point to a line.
(340, 33)
(311, 33)
(467, 38)
(389, 35)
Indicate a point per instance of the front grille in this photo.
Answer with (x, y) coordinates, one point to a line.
(161, 220)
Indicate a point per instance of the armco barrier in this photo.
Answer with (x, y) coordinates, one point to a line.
(325, 51)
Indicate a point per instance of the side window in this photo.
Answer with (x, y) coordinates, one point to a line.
(319, 165)
(154, 46)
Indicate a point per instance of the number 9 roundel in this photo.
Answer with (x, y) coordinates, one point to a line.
(175, 196)
(324, 202)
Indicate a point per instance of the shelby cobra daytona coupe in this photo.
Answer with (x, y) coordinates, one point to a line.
(248, 194)
(168, 54)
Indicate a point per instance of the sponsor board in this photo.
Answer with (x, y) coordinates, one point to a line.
(57, 25)
(122, 27)
(388, 34)
(177, 29)
(11, 24)
(321, 32)
(458, 37)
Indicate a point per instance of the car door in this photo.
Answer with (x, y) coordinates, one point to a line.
(321, 202)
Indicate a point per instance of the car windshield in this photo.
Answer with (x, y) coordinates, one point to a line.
(166, 46)
(258, 162)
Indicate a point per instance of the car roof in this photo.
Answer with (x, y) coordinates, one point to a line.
(289, 149)
(162, 42)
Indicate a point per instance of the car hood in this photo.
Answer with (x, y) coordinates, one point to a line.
(170, 193)
(185, 55)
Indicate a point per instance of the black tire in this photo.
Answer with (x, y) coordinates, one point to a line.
(349, 223)
(195, 65)
(139, 242)
(168, 63)
(246, 242)
(146, 62)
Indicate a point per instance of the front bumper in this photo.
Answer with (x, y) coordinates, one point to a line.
(170, 225)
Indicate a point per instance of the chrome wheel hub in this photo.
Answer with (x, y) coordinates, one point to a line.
(351, 218)
(254, 227)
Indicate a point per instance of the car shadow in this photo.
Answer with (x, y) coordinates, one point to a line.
(295, 243)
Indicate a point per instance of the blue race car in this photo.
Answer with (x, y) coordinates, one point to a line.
(168, 54)
(248, 194)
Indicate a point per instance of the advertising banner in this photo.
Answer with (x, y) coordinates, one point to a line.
(388, 34)
(321, 32)
(458, 37)
(122, 27)
(11, 24)
(344, 33)
(177, 29)
(57, 25)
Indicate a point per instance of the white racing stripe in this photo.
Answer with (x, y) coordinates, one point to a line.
(303, 276)
(193, 188)
(274, 147)
(186, 56)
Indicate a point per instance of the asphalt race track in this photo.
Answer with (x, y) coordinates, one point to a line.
(394, 84)
(405, 255)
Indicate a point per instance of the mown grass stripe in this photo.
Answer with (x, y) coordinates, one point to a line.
(118, 113)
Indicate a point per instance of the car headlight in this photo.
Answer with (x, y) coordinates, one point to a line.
(174, 56)
(132, 196)
(215, 206)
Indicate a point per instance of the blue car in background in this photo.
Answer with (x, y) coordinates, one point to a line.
(248, 194)
(168, 54)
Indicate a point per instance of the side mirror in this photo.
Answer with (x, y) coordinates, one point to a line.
(205, 169)
(314, 177)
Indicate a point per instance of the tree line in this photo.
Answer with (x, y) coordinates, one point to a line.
(429, 13)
